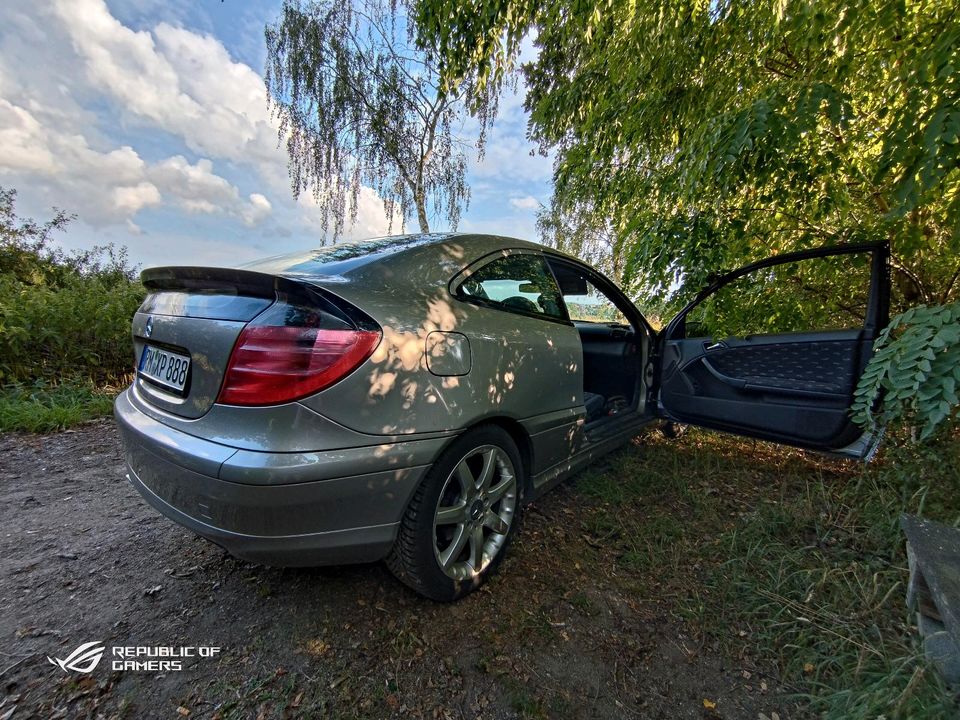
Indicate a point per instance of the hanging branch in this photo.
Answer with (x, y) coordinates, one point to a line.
(359, 105)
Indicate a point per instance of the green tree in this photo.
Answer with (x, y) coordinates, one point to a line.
(25, 245)
(916, 370)
(359, 104)
(717, 133)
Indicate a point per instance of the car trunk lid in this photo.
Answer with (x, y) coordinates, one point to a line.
(242, 337)
(196, 313)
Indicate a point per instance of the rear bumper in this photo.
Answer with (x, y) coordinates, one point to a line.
(289, 509)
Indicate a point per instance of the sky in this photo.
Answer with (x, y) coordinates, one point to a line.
(148, 120)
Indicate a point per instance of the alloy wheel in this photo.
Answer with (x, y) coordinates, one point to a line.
(474, 512)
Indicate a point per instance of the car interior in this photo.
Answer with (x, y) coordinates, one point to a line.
(612, 349)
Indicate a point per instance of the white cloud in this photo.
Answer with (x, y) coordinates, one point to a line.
(118, 184)
(91, 75)
(183, 82)
(528, 202)
(198, 190)
(371, 215)
(129, 199)
(112, 184)
(153, 132)
(511, 162)
(509, 156)
(233, 98)
(22, 140)
(258, 209)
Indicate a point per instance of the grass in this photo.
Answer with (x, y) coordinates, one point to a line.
(256, 691)
(527, 706)
(43, 408)
(786, 557)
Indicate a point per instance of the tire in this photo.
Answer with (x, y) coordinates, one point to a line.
(436, 552)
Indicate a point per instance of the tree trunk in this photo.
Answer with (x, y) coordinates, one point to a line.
(421, 203)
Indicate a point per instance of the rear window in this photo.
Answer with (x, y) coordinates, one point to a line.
(219, 304)
(516, 283)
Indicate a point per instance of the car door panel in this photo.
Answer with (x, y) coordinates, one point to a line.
(616, 341)
(791, 387)
(820, 363)
(794, 387)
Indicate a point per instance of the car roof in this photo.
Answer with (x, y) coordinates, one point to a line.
(344, 259)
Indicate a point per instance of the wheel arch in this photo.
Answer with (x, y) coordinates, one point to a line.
(520, 437)
(413, 558)
(524, 444)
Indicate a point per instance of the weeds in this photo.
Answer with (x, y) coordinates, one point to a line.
(584, 605)
(64, 324)
(526, 704)
(43, 408)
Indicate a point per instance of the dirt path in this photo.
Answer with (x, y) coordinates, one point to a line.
(560, 633)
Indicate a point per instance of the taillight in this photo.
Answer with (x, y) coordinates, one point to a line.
(291, 351)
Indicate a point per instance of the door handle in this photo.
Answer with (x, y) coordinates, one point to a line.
(714, 346)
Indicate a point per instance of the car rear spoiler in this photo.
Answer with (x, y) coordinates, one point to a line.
(244, 282)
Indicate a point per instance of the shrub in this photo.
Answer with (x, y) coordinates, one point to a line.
(62, 316)
(915, 371)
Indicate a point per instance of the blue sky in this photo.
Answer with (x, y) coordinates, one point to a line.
(148, 119)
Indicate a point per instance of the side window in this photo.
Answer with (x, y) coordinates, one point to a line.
(812, 295)
(590, 305)
(518, 283)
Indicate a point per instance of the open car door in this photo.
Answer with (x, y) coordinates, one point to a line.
(775, 350)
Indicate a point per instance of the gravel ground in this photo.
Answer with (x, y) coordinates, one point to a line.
(561, 632)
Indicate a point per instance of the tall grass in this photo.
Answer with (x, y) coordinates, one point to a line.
(44, 408)
(821, 580)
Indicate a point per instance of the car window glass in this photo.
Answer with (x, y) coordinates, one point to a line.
(518, 283)
(803, 296)
(593, 306)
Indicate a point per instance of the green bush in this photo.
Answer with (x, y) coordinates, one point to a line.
(62, 316)
(915, 371)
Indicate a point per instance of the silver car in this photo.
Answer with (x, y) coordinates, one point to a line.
(401, 398)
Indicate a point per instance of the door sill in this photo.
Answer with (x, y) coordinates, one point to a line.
(600, 430)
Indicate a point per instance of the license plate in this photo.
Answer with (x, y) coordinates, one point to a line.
(165, 368)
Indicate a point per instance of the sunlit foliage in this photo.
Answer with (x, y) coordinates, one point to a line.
(714, 133)
(916, 369)
(578, 229)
